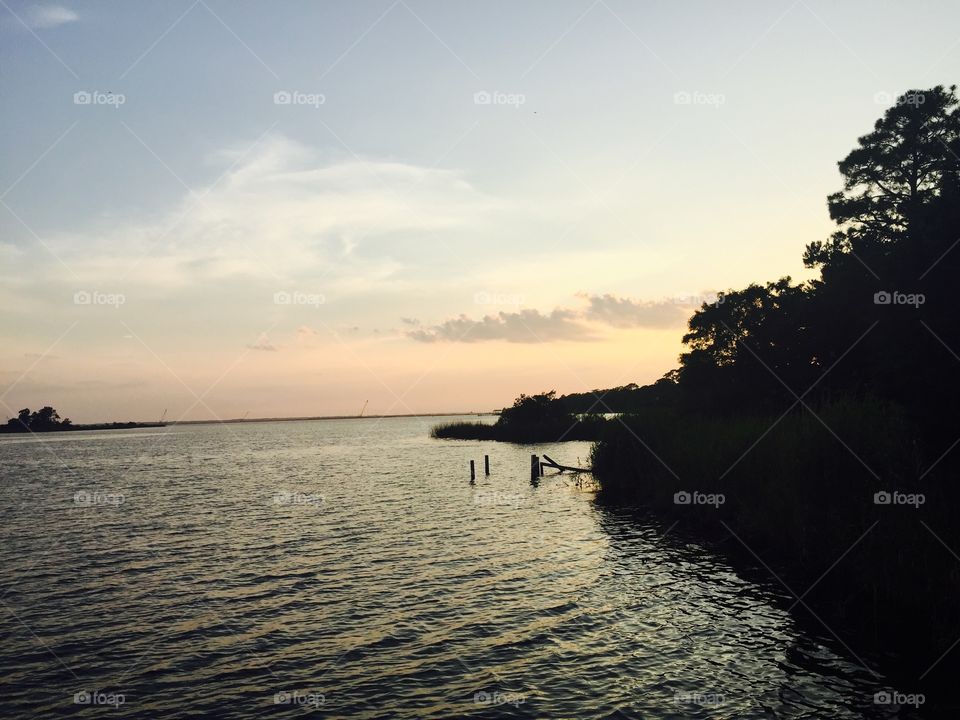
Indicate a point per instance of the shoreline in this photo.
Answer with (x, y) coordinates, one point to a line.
(799, 504)
(134, 425)
(329, 417)
(131, 425)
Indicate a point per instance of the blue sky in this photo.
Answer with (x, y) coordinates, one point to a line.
(388, 234)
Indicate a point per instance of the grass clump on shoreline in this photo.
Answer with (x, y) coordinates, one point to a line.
(463, 431)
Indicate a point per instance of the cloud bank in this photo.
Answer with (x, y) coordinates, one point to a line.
(626, 313)
(533, 326)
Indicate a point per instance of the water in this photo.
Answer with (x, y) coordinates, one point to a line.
(348, 569)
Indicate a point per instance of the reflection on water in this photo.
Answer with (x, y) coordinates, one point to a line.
(348, 568)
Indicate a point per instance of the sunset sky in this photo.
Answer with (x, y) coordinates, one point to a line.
(290, 208)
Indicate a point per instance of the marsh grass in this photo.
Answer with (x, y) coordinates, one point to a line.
(582, 427)
(463, 431)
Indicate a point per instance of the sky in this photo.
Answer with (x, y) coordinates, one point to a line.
(288, 209)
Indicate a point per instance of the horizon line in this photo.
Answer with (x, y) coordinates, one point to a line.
(327, 417)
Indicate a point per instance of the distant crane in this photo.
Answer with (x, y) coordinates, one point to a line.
(164, 416)
(245, 416)
(364, 408)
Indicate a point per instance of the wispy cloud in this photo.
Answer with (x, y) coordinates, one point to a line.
(280, 213)
(42, 17)
(526, 326)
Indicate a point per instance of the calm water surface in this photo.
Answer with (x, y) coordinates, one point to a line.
(348, 569)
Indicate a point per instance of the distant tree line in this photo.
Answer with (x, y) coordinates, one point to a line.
(45, 419)
(531, 418)
(623, 399)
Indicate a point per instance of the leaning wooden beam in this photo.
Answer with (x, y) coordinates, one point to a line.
(550, 462)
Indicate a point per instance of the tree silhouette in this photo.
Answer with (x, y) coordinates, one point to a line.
(898, 217)
(896, 169)
(533, 411)
(43, 420)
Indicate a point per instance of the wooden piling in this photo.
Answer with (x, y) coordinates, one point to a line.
(473, 473)
(486, 464)
(534, 468)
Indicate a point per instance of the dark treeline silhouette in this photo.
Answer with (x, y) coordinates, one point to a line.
(880, 319)
(825, 413)
(45, 419)
(624, 399)
(544, 417)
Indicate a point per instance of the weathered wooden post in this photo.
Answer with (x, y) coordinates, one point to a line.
(473, 474)
(486, 464)
(534, 468)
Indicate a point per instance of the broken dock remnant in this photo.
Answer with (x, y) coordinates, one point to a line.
(550, 462)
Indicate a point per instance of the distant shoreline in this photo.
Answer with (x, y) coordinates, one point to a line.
(139, 425)
(330, 417)
(130, 425)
